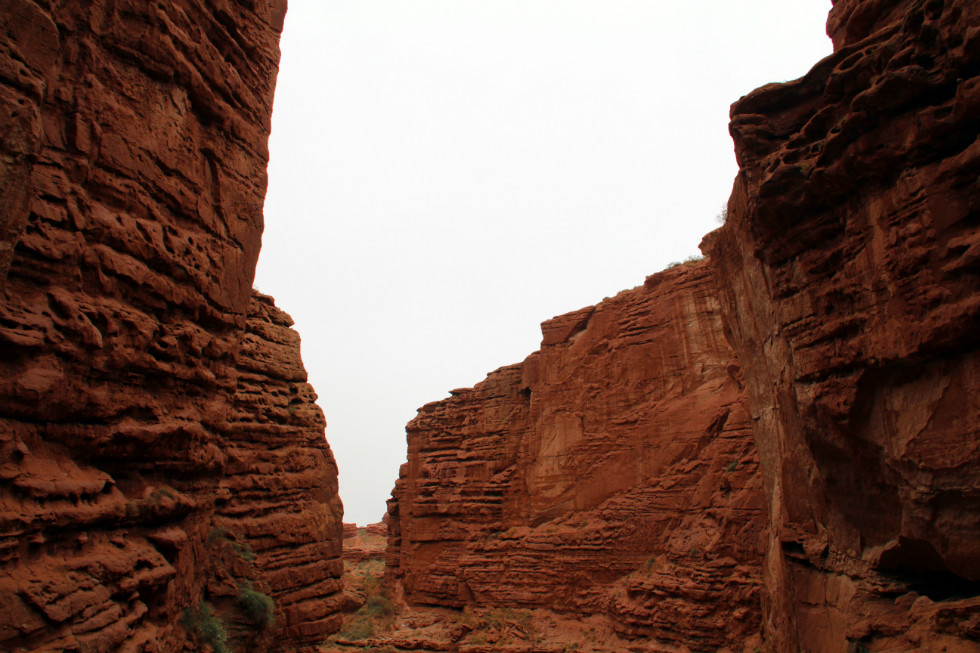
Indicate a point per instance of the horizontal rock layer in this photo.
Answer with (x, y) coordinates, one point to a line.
(158, 442)
(611, 472)
(849, 269)
(365, 543)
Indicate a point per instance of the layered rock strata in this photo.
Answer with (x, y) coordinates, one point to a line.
(366, 543)
(612, 472)
(159, 446)
(849, 269)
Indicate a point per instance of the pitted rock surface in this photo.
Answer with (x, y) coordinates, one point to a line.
(158, 442)
(612, 473)
(849, 271)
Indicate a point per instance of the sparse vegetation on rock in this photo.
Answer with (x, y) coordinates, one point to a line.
(206, 627)
(258, 608)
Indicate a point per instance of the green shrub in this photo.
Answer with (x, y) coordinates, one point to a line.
(694, 258)
(259, 608)
(378, 612)
(357, 629)
(244, 551)
(378, 606)
(206, 627)
(218, 532)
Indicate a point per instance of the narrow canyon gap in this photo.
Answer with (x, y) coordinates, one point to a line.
(778, 444)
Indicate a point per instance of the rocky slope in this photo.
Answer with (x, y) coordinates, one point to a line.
(367, 543)
(159, 446)
(849, 270)
(610, 473)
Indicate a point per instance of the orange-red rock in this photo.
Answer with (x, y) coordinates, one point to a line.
(158, 442)
(849, 269)
(362, 544)
(612, 472)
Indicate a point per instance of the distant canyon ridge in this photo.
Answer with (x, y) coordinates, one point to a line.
(775, 448)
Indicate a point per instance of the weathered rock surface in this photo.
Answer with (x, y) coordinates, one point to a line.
(610, 473)
(367, 543)
(364, 556)
(849, 269)
(158, 442)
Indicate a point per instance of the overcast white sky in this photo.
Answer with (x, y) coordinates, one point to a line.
(447, 174)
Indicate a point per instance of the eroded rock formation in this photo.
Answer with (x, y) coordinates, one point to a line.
(849, 270)
(158, 443)
(611, 473)
(847, 278)
(160, 449)
(366, 543)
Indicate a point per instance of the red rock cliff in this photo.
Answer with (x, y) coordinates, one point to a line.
(158, 443)
(611, 472)
(849, 269)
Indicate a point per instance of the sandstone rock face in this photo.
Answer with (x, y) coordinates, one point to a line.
(158, 442)
(279, 486)
(849, 269)
(612, 472)
(367, 543)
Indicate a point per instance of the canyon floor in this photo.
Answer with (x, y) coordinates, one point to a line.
(377, 618)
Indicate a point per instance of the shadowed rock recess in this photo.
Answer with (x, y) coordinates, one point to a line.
(161, 457)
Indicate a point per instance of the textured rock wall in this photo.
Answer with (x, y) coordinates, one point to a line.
(278, 494)
(611, 472)
(158, 442)
(849, 269)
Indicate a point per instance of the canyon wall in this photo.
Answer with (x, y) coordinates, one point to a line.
(160, 451)
(849, 270)
(612, 472)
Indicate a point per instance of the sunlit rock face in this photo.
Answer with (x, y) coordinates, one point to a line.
(849, 271)
(159, 444)
(612, 472)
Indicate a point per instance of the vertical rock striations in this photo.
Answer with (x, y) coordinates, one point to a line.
(611, 472)
(158, 443)
(849, 270)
